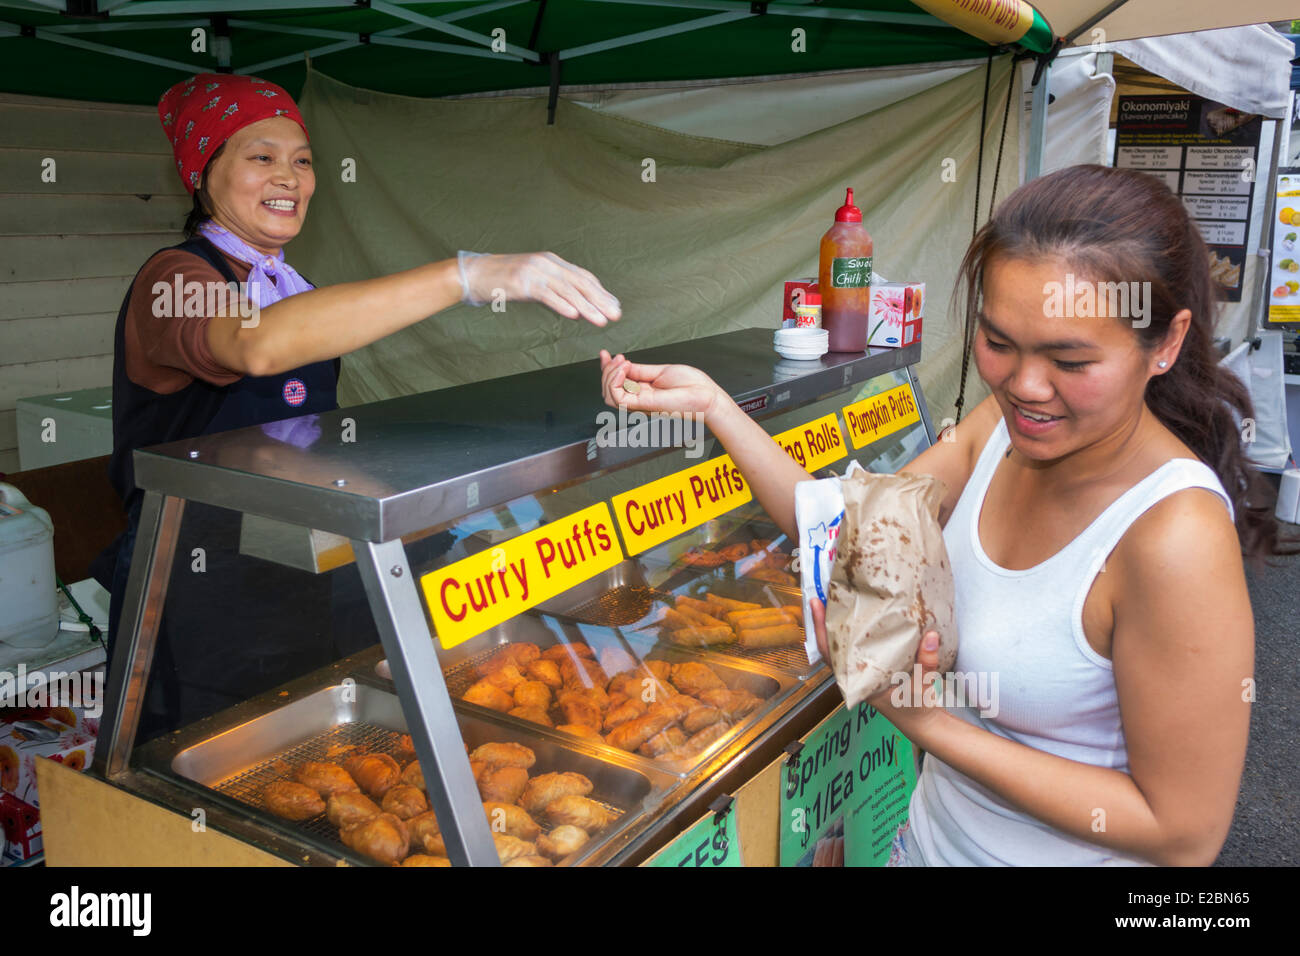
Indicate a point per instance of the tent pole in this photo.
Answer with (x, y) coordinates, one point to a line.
(1038, 126)
(1259, 294)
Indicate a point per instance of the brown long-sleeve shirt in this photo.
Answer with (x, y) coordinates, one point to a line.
(165, 353)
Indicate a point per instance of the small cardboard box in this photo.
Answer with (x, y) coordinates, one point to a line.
(68, 737)
(895, 314)
(794, 293)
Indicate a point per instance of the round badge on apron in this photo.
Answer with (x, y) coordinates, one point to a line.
(295, 392)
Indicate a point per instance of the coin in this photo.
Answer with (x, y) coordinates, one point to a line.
(632, 387)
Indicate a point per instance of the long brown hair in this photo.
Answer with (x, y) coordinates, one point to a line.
(1119, 224)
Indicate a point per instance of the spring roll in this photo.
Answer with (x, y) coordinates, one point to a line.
(672, 620)
(701, 618)
(749, 620)
(703, 607)
(777, 636)
(729, 604)
(702, 636)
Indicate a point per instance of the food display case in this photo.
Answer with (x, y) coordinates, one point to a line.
(537, 631)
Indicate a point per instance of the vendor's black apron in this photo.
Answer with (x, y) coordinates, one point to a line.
(242, 625)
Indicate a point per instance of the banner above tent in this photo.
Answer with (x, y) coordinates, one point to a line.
(129, 51)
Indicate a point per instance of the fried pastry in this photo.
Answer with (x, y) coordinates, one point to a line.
(350, 808)
(634, 733)
(692, 677)
(562, 841)
(533, 714)
(581, 730)
(562, 652)
(511, 848)
(532, 693)
(623, 713)
(423, 859)
(519, 655)
(670, 738)
(528, 861)
(503, 784)
(404, 801)
(546, 671)
(507, 677)
(490, 696)
(546, 788)
(325, 778)
(576, 709)
(504, 754)
(734, 704)
(425, 832)
(699, 717)
(580, 812)
(413, 775)
(292, 801)
(511, 819)
(384, 838)
(376, 773)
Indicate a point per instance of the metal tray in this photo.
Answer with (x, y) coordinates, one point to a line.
(238, 763)
(769, 685)
(614, 598)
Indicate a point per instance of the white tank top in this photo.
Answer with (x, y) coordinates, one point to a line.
(1053, 693)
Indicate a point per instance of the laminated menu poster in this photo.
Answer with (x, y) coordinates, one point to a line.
(1205, 152)
(846, 792)
(1284, 264)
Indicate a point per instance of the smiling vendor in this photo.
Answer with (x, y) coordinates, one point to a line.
(242, 150)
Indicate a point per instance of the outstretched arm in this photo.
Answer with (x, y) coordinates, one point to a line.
(771, 473)
(334, 320)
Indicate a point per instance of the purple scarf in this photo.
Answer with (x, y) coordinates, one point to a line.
(262, 291)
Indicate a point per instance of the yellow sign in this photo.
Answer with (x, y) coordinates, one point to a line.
(815, 444)
(663, 509)
(481, 591)
(881, 415)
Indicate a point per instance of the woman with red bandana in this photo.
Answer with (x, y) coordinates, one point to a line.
(190, 363)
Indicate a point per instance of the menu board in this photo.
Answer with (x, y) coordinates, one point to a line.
(1205, 152)
(846, 792)
(1284, 264)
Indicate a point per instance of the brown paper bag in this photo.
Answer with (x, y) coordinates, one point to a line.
(890, 582)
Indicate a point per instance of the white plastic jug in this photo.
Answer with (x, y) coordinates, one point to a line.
(29, 603)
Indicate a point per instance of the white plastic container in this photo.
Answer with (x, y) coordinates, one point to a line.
(29, 605)
(801, 344)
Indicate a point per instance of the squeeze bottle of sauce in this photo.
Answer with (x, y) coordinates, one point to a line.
(844, 279)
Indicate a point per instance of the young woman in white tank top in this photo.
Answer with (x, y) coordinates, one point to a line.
(1097, 557)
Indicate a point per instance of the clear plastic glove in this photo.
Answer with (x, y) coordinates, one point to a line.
(542, 277)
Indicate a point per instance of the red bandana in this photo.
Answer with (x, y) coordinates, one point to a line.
(201, 113)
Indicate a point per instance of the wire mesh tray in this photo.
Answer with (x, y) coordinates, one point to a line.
(331, 725)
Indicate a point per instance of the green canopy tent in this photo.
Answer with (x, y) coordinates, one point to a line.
(127, 50)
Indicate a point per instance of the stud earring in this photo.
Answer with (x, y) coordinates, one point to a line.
(1163, 364)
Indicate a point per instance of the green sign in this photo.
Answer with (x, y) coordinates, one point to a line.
(851, 272)
(846, 793)
(709, 843)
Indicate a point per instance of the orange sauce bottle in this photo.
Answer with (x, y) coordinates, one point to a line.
(844, 279)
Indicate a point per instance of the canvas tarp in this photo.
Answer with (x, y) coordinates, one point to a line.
(703, 248)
